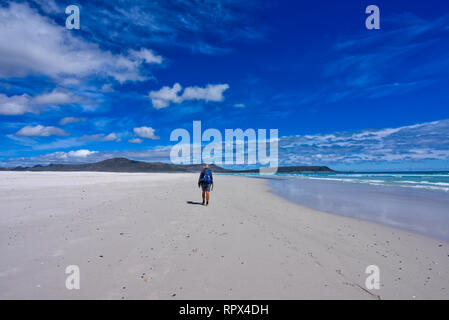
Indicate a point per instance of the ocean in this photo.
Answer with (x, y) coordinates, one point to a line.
(438, 181)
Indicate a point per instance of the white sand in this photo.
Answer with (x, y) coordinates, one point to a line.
(134, 236)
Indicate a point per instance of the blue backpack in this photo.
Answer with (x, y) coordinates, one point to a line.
(207, 178)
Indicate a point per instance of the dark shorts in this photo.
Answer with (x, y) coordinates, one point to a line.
(205, 187)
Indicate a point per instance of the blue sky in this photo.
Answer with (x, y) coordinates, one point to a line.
(340, 95)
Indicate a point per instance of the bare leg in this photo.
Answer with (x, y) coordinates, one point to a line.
(204, 194)
(207, 198)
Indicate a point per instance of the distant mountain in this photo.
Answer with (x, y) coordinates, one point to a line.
(126, 165)
(121, 165)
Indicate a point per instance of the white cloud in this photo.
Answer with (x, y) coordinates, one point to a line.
(68, 120)
(163, 97)
(49, 6)
(135, 140)
(56, 97)
(70, 82)
(166, 95)
(40, 131)
(80, 153)
(21, 104)
(146, 55)
(403, 145)
(15, 105)
(107, 88)
(416, 142)
(239, 105)
(212, 92)
(101, 137)
(33, 44)
(112, 137)
(74, 156)
(145, 132)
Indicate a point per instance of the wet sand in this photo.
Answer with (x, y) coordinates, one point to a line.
(416, 210)
(144, 236)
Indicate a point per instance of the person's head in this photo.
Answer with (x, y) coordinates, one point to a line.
(206, 166)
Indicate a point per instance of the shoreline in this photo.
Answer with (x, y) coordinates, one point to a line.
(138, 237)
(419, 211)
(380, 224)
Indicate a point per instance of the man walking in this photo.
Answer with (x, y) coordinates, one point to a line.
(206, 181)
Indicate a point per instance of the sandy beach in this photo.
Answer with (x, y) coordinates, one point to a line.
(144, 236)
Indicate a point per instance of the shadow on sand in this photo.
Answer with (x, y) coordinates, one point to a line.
(194, 202)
